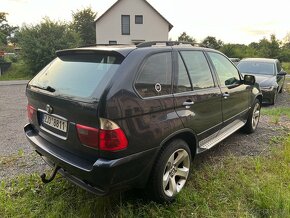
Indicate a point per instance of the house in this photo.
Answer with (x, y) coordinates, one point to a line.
(131, 22)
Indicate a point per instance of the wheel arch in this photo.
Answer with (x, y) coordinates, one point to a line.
(259, 97)
(185, 134)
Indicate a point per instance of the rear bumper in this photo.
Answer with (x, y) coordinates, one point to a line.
(100, 177)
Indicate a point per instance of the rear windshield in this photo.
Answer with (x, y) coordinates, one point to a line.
(256, 68)
(78, 75)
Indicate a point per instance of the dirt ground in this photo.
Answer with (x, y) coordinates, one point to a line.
(258, 143)
(17, 156)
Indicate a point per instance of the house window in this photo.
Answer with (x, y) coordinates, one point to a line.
(138, 19)
(125, 24)
(112, 42)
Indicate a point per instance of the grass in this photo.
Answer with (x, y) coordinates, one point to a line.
(286, 66)
(276, 113)
(6, 161)
(227, 187)
(17, 71)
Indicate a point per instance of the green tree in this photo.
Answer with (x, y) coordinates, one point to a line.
(238, 50)
(40, 42)
(84, 23)
(212, 42)
(185, 38)
(6, 31)
(269, 48)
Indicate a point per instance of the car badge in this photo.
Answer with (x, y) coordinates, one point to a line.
(49, 109)
(158, 87)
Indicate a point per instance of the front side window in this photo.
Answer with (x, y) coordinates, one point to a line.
(155, 76)
(198, 69)
(227, 73)
(125, 24)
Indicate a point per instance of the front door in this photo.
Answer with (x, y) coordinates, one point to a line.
(197, 97)
(235, 95)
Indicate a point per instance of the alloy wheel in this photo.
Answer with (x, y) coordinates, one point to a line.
(256, 115)
(176, 172)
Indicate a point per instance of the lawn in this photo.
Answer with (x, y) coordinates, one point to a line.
(231, 186)
(286, 67)
(17, 71)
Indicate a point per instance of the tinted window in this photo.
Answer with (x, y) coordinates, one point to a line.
(227, 73)
(125, 25)
(78, 75)
(279, 67)
(183, 82)
(155, 76)
(256, 67)
(198, 69)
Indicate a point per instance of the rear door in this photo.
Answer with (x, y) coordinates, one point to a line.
(235, 95)
(197, 97)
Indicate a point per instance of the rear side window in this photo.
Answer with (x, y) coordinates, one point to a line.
(155, 76)
(78, 75)
(183, 82)
(198, 69)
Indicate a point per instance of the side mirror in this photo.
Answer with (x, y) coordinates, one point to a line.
(282, 73)
(249, 80)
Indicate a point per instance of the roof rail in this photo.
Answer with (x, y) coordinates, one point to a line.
(167, 43)
(93, 45)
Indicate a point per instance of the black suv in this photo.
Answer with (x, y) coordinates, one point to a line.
(110, 118)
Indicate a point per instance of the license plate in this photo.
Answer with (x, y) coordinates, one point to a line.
(55, 123)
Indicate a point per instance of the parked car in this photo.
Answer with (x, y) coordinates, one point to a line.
(235, 60)
(117, 117)
(269, 74)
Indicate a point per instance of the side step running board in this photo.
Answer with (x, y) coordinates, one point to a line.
(224, 133)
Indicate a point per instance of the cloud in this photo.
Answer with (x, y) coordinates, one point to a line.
(261, 28)
(19, 1)
(257, 32)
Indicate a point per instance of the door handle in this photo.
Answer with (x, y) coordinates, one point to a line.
(226, 95)
(187, 104)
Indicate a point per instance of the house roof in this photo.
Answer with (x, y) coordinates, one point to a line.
(99, 18)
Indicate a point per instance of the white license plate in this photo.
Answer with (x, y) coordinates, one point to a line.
(55, 123)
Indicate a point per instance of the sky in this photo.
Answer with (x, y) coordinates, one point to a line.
(230, 21)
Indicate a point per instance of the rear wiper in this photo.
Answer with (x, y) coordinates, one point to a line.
(47, 88)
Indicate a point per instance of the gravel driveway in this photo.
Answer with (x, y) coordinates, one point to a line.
(17, 156)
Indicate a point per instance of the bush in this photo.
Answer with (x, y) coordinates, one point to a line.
(40, 42)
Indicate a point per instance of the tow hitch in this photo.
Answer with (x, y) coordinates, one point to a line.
(52, 176)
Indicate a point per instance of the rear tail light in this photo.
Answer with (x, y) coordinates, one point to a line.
(88, 136)
(30, 112)
(110, 137)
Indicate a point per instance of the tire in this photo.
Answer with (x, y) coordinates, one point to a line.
(170, 171)
(274, 98)
(281, 90)
(253, 119)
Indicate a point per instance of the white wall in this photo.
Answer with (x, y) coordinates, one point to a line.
(108, 28)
